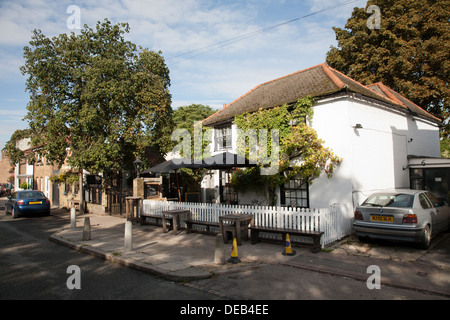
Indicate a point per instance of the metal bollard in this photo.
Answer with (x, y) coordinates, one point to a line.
(219, 255)
(87, 229)
(73, 218)
(128, 242)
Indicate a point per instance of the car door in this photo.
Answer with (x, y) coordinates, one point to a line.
(442, 212)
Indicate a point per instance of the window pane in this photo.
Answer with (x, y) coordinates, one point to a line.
(295, 193)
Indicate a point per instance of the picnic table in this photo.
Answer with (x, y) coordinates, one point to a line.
(235, 223)
(173, 215)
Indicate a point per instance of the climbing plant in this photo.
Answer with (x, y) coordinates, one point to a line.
(301, 153)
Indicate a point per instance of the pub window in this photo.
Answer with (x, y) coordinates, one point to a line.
(295, 193)
(223, 138)
(227, 194)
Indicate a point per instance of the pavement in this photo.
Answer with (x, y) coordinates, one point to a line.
(186, 257)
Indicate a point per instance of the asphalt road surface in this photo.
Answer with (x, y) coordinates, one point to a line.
(31, 267)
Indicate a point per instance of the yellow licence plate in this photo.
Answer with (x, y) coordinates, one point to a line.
(382, 218)
(35, 202)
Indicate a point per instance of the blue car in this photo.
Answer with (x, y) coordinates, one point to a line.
(27, 201)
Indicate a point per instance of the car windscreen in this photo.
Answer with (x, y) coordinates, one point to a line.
(398, 200)
(31, 194)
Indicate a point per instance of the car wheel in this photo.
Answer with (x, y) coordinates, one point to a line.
(426, 237)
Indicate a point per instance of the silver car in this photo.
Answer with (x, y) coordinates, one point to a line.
(405, 215)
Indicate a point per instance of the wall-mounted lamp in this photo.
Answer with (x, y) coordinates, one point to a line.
(358, 126)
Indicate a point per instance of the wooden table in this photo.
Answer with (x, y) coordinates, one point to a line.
(176, 213)
(131, 203)
(235, 222)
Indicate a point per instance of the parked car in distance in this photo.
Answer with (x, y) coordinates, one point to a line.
(5, 189)
(404, 215)
(27, 201)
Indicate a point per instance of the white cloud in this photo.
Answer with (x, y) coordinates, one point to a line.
(220, 72)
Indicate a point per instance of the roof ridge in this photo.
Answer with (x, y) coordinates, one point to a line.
(359, 83)
(327, 69)
(262, 84)
(388, 89)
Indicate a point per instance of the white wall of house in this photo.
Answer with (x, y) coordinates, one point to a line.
(374, 156)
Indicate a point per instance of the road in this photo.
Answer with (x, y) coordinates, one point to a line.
(32, 267)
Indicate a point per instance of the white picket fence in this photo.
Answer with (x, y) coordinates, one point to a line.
(329, 220)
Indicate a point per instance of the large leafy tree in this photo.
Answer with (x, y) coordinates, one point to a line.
(96, 101)
(410, 52)
(185, 117)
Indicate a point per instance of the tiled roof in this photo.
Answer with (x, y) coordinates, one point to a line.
(317, 81)
(401, 100)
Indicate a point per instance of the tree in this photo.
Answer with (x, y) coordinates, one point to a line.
(184, 118)
(410, 52)
(14, 153)
(96, 100)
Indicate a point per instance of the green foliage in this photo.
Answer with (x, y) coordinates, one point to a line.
(95, 100)
(184, 118)
(24, 185)
(68, 177)
(445, 148)
(410, 53)
(301, 155)
(298, 141)
(13, 153)
(243, 180)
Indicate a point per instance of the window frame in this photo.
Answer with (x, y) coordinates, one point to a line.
(223, 137)
(300, 201)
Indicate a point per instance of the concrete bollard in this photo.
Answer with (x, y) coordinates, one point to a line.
(87, 229)
(219, 255)
(128, 241)
(73, 218)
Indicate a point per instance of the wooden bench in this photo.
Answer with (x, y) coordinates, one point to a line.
(315, 235)
(208, 224)
(157, 217)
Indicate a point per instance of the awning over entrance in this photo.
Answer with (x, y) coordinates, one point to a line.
(425, 162)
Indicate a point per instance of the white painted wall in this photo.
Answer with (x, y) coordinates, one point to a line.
(373, 156)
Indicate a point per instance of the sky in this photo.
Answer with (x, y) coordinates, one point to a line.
(216, 51)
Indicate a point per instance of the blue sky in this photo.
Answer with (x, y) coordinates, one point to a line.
(215, 75)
